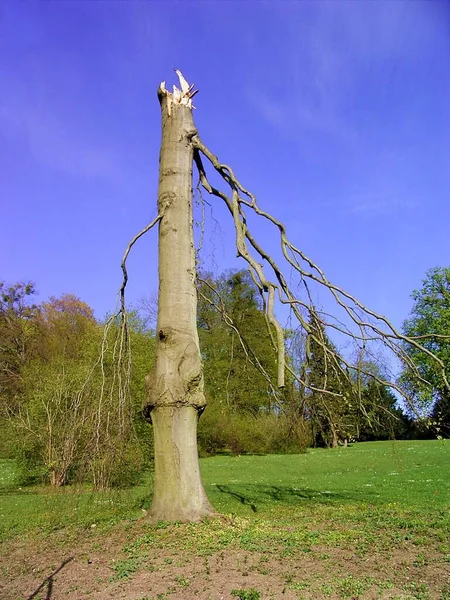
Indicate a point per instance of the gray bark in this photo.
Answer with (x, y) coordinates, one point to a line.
(176, 396)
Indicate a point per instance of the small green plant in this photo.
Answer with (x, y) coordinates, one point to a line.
(299, 586)
(183, 581)
(386, 585)
(421, 560)
(352, 587)
(250, 594)
(124, 568)
(139, 546)
(326, 589)
(445, 593)
(420, 591)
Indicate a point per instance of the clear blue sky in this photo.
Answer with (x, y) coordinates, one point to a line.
(336, 114)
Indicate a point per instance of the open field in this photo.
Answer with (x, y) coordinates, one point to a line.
(368, 521)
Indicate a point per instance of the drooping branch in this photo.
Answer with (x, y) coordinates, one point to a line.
(256, 270)
(371, 326)
(123, 264)
(112, 416)
(266, 286)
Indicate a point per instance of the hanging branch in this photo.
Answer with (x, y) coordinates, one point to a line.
(112, 420)
(256, 271)
(371, 326)
(123, 264)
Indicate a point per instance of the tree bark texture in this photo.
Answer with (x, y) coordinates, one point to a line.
(176, 396)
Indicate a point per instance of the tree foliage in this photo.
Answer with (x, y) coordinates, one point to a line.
(18, 329)
(380, 418)
(330, 406)
(68, 421)
(342, 406)
(245, 411)
(430, 322)
(57, 404)
(231, 350)
(62, 390)
(17, 338)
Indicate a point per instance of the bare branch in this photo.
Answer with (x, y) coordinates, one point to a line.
(264, 285)
(124, 260)
(372, 327)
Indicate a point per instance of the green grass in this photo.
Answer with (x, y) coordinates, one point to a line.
(415, 474)
(406, 484)
(39, 508)
(327, 508)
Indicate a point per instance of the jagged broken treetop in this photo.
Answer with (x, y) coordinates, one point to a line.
(182, 95)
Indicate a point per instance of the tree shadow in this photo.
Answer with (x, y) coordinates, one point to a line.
(48, 581)
(226, 489)
(253, 495)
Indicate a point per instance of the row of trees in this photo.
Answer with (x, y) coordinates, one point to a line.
(71, 409)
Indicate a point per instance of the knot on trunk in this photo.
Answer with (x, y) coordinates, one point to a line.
(147, 410)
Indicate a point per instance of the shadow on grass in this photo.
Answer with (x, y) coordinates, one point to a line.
(14, 490)
(227, 489)
(252, 495)
(48, 582)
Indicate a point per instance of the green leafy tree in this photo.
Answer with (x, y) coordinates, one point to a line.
(379, 417)
(239, 365)
(235, 344)
(430, 321)
(329, 402)
(17, 336)
(74, 416)
(57, 403)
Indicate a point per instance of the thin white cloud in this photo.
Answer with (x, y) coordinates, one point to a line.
(379, 205)
(325, 47)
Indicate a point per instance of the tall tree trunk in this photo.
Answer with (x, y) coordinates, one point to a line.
(176, 396)
(334, 436)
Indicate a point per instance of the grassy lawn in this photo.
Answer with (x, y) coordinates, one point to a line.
(368, 521)
(415, 474)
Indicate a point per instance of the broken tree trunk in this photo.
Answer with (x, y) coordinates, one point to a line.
(176, 397)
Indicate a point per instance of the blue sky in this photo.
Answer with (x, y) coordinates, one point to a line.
(336, 114)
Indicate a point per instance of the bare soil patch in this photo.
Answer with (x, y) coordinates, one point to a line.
(135, 561)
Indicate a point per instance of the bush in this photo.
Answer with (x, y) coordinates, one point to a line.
(242, 432)
(7, 440)
(30, 469)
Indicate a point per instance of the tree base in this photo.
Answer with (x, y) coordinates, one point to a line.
(178, 491)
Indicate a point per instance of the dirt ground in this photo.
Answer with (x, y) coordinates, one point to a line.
(96, 564)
